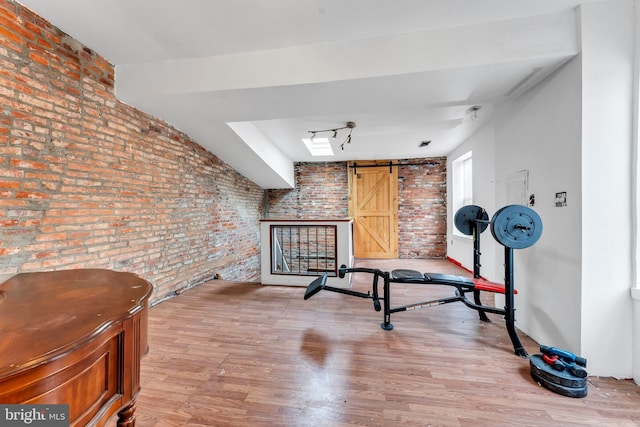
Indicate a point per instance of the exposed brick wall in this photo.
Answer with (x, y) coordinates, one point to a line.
(89, 182)
(322, 192)
(422, 208)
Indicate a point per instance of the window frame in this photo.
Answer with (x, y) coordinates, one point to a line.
(461, 185)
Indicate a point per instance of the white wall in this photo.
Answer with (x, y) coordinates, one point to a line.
(540, 132)
(572, 133)
(635, 197)
(607, 87)
(461, 248)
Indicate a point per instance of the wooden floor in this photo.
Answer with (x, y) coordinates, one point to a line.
(241, 354)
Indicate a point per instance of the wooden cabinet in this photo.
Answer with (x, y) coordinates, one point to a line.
(76, 337)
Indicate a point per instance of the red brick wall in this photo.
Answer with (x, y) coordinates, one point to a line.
(422, 208)
(322, 192)
(86, 181)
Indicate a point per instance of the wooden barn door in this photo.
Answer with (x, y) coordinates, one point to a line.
(373, 204)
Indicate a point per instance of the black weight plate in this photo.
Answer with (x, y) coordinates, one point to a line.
(516, 226)
(563, 378)
(465, 218)
(559, 388)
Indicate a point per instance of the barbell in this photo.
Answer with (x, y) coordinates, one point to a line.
(513, 226)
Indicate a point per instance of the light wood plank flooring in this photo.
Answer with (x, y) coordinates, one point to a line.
(242, 354)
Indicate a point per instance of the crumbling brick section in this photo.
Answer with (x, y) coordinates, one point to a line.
(322, 192)
(89, 182)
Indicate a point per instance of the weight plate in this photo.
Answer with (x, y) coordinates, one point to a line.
(516, 226)
(466, 217)
(538, 366)
(577, 392)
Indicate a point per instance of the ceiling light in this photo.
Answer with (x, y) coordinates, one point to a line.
(318, 146)
(472, 112)
(334, 131)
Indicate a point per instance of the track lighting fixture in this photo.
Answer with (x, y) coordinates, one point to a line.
(472, 112)
(334, 131)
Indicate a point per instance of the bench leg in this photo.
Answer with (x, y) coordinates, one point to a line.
(481, 313)
(510, 310)
(386, 325)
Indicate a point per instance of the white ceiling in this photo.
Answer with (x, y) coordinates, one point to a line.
(247, 79)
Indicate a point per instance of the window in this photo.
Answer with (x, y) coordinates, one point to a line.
(462, 184)
(318, 146)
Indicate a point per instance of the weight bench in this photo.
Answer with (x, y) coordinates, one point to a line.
(462, 284)
(463, 287)
(513, 226)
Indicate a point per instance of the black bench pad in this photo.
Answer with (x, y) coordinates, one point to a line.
(315, 286)
(466, 283)
(413, 276)
(407, 276)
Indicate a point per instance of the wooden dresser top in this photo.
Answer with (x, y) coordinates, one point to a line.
(46, 315)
